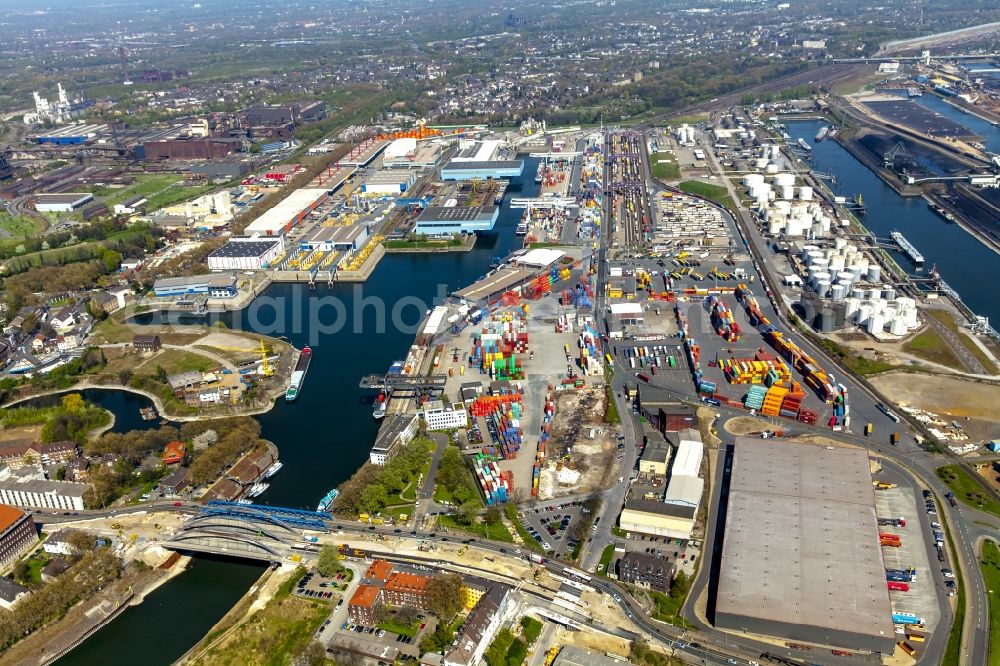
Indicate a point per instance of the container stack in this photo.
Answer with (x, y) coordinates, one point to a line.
(497, 486)
(773, 399)
(755, 397)
(723, 321)
(808, 416)
(543, 440)
(507, 426)
(762, 368)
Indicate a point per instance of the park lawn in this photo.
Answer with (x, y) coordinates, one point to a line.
(930, 346)
(394, 627)
(967, 490)
(664, 166)
(989, 563)
(532, 629)
(948, 320)
(495, 531)
(607, 555)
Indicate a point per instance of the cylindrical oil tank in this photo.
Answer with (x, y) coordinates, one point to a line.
(874, 273)
(875, 323)
(805, 193)
(823, 288)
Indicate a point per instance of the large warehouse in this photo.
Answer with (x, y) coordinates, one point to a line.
(245, 253)
(286, 214)
(459, 170)
(64, 202)
(801, 558)
(456, 219)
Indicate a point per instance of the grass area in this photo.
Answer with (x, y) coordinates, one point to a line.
(532, 629)
(611, 412)
(967, 489)
(693, 119)
(145, 185)
(20, 226)
(494, 531)
(443, 495)
(618, 532)
(664, 166)
(274, 635)
(606, 556)
(176, 360)
(989, 563)
(668, 608)
(176, 194)
(529, 541)
(409, 493)
(856, 363)
(948, 320)
(705, 190)
(930, 346)
(392, 626)
(35, 566)
(953, 650)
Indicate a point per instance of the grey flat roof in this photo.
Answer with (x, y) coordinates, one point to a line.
(474, 166)
(662, 508)
(571, 655)
(455, 213)
(63, 197)
(194, 280)
(503, 279)
(255, 248)
(801, 543)
(392, 426)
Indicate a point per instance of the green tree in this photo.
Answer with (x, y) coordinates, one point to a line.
(444, 596)
(328, 563)
(374, 498)
(496, 654)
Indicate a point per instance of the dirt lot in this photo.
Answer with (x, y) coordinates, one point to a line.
(20, 435)
(947, 396)
(585, 460)
(744, 425)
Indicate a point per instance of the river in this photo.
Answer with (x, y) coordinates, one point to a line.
(965, 263)
(323, 437)
(983, 128)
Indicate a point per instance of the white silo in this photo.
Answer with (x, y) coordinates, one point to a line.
(888, 292)
(784, 179)
(775, 226)
(771, 168)
(838, 291)
(875, 323)
(897, 325)
(851, 307)
(837, 262)
(840, 243)
(787, 192)
(864, 313)
(823, 288)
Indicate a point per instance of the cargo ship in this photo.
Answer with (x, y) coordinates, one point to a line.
(327, 501)
(381, 402)
(524, 224)
(541, 171)
(501, 186)
(273, 469)
(944, 214)
(823, 131)
(804, 145)
(298, 375)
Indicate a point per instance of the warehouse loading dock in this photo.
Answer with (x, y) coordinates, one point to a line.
(801, 557)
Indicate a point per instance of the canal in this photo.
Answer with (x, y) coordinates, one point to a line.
(984, 128)
(323, 437)
(964, 263)
(172, 618)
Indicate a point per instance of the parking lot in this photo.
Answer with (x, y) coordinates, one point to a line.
(315, 586)
(555, 526)
(921, 598)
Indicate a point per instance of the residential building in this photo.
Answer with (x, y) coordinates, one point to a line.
(17, 534)
(146, 343)
(56, 567)
(406, 589)
(78, 469)
(11, 593)
(438, 416)
(51, 453)
(480, 628)
(28, 487)
(58, 543)
(175, 482)
(653, 573)
(174, 453)
(361, 607)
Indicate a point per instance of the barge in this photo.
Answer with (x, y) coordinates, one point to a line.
(298, 375)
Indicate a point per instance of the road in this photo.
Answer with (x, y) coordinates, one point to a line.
(968, 359)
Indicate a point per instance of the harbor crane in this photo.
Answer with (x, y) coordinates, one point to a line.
(266, 369)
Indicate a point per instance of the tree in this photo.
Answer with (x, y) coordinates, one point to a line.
(406, 615)
(467, 513)
(492, 515)
(680, 586)
(374, 498)
(496, 654)
(444, 596)
(22, 572)
(313, 655)
(73, 403)
(380, 613)
(328, 563)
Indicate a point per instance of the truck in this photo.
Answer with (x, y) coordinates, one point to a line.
(951, 499)
(868, 430)
(536, 558)
(894, 438)
(898, 586)
(907, 648)
(894, 522)
(906, 618)
(883, 485)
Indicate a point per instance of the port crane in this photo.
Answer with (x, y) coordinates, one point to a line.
(266, 369)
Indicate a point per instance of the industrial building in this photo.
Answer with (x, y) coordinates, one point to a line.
(456, 170)
(801, 557)
(410, 154)
(391, 183)
(215, 285)
(329, 239)
(396, 432)
(28, 487)
(436, 220)
(69, 135)
(246, 253)
(290, 211)
(64, 202)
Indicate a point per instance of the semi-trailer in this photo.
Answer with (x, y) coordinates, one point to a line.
(906, 618)
(898, 586)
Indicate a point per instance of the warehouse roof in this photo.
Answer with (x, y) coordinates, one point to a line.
(540, 257)
(285, 211)
(245, 248)
(685, 490)
(503, 279)
(455, 213)
(626, 308)
(801, 543)
(461, 165)
(334, 234)
(661, 508)
(687, 460)
(73, 198)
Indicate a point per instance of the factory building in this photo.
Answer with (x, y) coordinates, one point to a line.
(438, 416)
(69, 135)
(801, 557)
(290, 211)
(329, 239)
(392, 183)
(436, 220)
(410, 154)
(64, 202)
(215, 285)
(188, 148)
(246, 253)
(457, 170)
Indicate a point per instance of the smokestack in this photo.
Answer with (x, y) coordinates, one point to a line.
(121, 56)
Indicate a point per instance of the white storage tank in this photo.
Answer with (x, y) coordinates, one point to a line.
(875, 323)
(805, 193)
(845, 276)
(784, 179)
(771, 168)
(752, 179)
(897, 326)
(888, 292)
(840, 243)
(775, 226)
(837, 262)
(823, 288)
(864, 313)
(760, 163)
(787, 192)
(837, 292)
(874, 273)
(851, 307)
